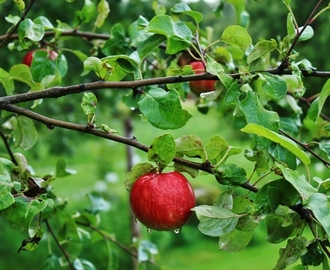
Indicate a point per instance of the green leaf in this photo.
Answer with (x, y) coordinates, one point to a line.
(23, 74)
(44, 64)
(7, 82)
(260, 158)
(230, 174)
(178, 35)
(318, 103)
(103, 10)
(88, 104)
(146, 250)
(239, 6)
(137, 171)
(6, 185)
(136, 32)
(237, 36)
(307, 34)
(67, 234)
(61, 170)
(44, 22)
(25, 132)
(51, 262)
(273, 85)
(314, 256)
(281, 140)
(184, 168)
(190, 146)
(162, 149)
(163, 109)
(218, 150)
(225, 199)
(255, 113)
(117, 44)
(294, 249)
(150, 45)
(283, 155)
(235, 241)
(182, 8)
(262, 48)
(278, 228)
(274, 193)
(87, 13)
(28, 29)
(102, 68)
(326, 148)
(98, 203)
(320, 206)
(290, 28)
(127, 64)
(299, 181)
(214, 220)
(22, 212)
(20, 4)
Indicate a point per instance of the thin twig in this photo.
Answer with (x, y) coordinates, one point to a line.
(60, 91)
(5, 141)
(66, 256)
(325, 162)
(14, 29)
(114, 241)
(308, 22)
(51, 123)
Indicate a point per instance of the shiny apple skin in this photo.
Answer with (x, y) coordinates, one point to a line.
(203, 86)
(162, 201)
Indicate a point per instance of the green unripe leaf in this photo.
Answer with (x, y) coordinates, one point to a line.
(137, 171)
(28, 29)
(162, 149)
(237, 36)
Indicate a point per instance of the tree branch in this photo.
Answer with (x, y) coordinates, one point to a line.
(74, 33)
(51, 123)
(14, 29)
(59, 91)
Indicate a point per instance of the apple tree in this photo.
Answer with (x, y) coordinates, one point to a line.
(147, 67)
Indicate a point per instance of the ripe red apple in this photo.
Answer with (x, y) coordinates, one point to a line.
(162, 201)
(198, 87)
(27, 59)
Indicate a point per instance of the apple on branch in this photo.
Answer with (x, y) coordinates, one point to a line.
(27, 59)
(162, 201)
(198, 87)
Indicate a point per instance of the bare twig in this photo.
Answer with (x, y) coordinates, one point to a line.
(114, 241)
(58, 91)
(66, 256)
(325, 162)
(14, 29)
(74, 33)
(51, 123)
(308, 22)
(5, 141)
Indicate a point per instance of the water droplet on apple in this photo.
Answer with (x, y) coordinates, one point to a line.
(149, 230)
(136, 220)
(177, 231)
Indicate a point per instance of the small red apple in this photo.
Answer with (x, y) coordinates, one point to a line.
(162, 201)
(27, 59)
(198, 87)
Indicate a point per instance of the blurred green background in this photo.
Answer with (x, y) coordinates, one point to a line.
(101, 165)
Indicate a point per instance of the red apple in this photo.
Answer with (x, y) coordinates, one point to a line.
(198, 87)
(162, 201)
(27, 59)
